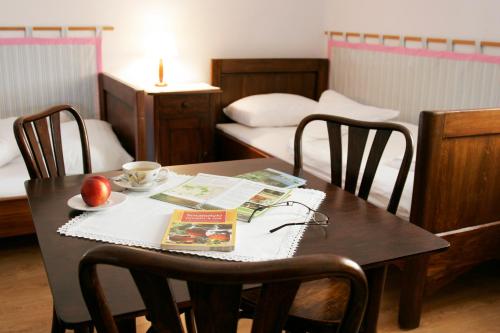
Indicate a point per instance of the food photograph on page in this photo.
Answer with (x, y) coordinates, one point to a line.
(201, 230)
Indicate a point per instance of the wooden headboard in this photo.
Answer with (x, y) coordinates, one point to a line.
(239, 78)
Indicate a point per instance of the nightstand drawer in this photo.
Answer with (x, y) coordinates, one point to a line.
(183, 103)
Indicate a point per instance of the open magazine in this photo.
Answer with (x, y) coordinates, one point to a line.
(274, 178)
(205, 191)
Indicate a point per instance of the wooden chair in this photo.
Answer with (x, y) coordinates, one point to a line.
(215, 288)
(318, 305)
(39, 139)
(357, 138)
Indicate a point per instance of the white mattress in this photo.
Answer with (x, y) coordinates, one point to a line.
(278, 142)
(13, 175)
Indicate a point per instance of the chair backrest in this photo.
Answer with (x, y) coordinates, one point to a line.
(39, 139)
(357, 138)
(215, 288)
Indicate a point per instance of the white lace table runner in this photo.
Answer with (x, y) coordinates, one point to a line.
(141, 221)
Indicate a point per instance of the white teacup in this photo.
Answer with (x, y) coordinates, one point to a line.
(142, 173)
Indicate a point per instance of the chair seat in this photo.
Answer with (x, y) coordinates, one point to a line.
(323, 301)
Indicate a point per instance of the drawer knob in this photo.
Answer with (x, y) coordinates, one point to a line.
(185, 105)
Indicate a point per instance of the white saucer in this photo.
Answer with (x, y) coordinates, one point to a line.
(123, 182)
(115, 199)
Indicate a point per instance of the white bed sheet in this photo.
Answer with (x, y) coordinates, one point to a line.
(278, 142)
(104, 157)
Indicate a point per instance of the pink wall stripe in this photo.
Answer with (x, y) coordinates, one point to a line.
(415, 52)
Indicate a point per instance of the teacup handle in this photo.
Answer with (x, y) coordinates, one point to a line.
(163, 173)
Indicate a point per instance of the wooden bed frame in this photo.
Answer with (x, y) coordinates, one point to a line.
(456, 195)
(239, 78)
(457, 177)
(123, 107)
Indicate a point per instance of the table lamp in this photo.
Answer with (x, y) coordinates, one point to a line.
(165, 49)
(160, 83)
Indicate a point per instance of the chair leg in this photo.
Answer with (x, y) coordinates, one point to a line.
(87, 328)
(412, 291)
(57, 326)
(376, 281)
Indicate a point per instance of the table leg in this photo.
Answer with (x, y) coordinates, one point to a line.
(189, 318)
(57, 326)
(126, 325)
(376, 281)
(412, 291)
(84, 328)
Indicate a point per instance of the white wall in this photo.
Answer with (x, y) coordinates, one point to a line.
(202, 29)
(475, 19)
(205, 29)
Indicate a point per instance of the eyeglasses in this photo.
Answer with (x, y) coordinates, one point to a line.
(317, 218)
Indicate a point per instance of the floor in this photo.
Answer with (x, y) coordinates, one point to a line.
(470, 304)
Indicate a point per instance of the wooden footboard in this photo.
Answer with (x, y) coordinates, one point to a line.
(457, 176)
(456, 195)
(15, 217)
(457, 188)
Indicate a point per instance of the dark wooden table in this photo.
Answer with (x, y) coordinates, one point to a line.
(367, 234)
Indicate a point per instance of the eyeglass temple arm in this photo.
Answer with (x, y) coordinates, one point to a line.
(286, 203)
(286, 225)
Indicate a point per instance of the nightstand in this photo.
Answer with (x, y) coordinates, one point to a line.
(172, 125)
(183, 122)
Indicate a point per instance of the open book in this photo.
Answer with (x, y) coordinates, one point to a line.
(206, 191)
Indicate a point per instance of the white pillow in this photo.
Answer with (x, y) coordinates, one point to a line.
(106, 152)
(336, 104)
(8, 145)
(270, 110)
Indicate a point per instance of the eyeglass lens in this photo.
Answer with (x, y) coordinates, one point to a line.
(319, 217)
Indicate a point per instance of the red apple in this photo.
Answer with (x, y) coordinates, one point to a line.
(104, 180)
(95, 190)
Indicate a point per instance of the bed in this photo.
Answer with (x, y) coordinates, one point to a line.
(456, 174)
(74, 78)
(236, 141)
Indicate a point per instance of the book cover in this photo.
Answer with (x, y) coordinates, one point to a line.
(201, 230)
(274, 178)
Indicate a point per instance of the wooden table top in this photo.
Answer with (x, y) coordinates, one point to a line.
(358, 230)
